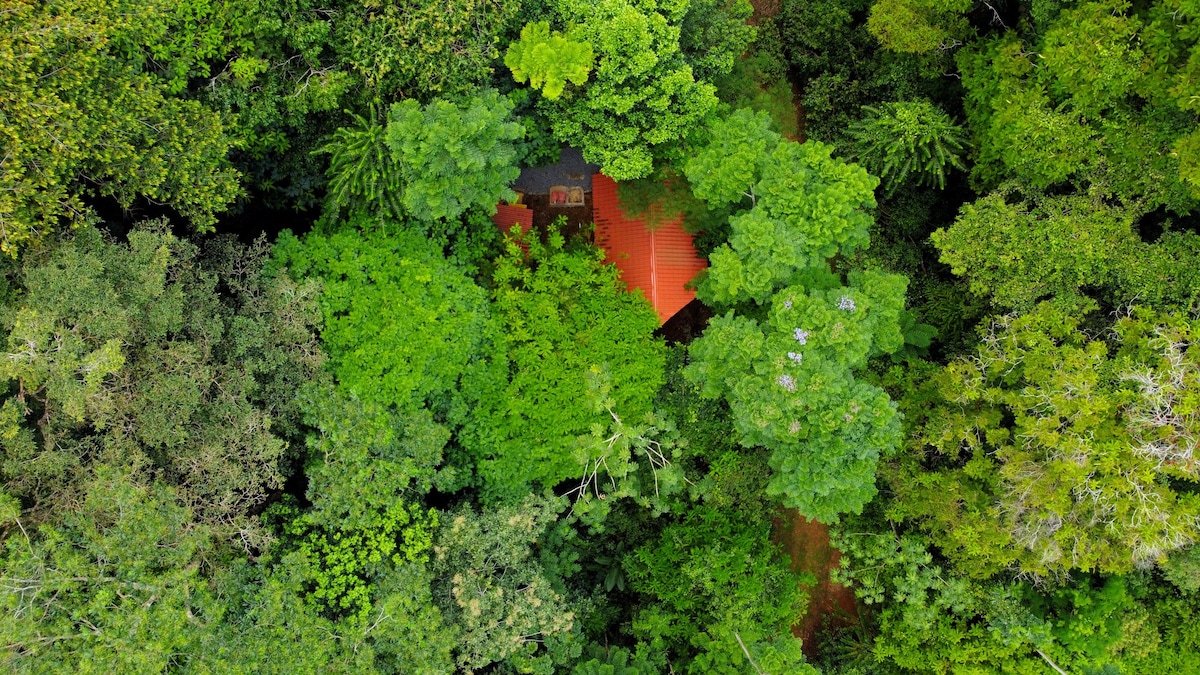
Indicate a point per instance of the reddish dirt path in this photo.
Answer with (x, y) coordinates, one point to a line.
(807, 544)
(766, 9)
(763, 9)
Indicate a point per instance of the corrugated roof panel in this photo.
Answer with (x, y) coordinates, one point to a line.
(660, 262)
(507, 216)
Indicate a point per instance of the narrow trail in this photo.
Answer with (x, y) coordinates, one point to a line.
(806, 542)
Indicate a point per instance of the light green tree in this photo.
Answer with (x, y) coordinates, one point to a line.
(454, 157)
(559, 317)
(784, 357)
(725, 169)
(1020, 249)
(789, 382)
(1089, 111)
(401, 321)
(548, 60)
(918, 26)
(1024, 251)
(803, 206)
(643, 99)
(115, 586)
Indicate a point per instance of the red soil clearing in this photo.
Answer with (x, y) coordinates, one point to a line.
(806, 542)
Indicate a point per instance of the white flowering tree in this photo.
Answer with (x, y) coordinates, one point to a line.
(789, 380)
(784, 355)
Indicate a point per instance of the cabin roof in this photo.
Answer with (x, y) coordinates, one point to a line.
(660, 260)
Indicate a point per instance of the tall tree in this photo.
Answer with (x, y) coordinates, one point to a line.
(401, 321)
(784, 357)
(115, 586)
(81, 112)
(803, 206)
(718, 596)
(643, 99)
(789, 382)
(454, 157)
(128, 354)
(1019, 249)
(1092, 112)
(1057, 451)
(495, 588)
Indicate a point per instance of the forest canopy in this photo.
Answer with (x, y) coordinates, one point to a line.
(280, 396)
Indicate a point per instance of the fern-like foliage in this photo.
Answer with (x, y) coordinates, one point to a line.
(908, 140)
(363, 175)
(548, 59)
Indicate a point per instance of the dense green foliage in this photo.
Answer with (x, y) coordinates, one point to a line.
(399, 318)
(124, 355)
(716, 586)
(1057, 452)
(453, 158)
(788, 375)
(790, 385)
(950, 316)
(804, 206)
(1024, 251)
(560, 317)
(644, 96)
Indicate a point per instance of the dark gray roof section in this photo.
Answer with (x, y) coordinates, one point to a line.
(570, 171)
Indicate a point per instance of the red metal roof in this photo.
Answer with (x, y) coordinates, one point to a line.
(660, 261)
(507, 216)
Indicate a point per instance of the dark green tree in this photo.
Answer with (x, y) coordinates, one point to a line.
(909, 141)
(718, 596)
(82, 112)
(364, 176)
(713, 34)
(128, 354)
